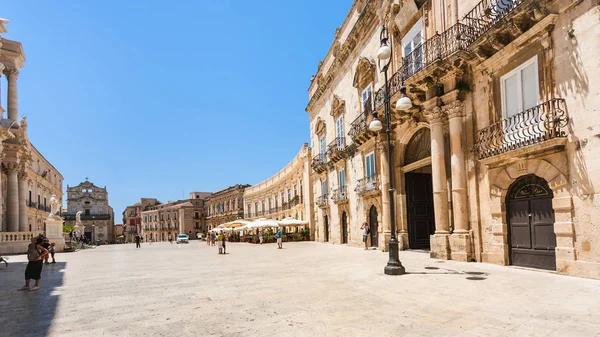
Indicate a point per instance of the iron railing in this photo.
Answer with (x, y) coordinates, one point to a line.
(340, 194)
(360, 123)
(438, 47)
(319, 159)
(338, 144)
(538, 124)
(367, 184)
(322, 200)
(394, 83)
(488, 13)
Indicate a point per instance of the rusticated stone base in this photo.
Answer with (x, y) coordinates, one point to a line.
(440, 249)
(460, 247)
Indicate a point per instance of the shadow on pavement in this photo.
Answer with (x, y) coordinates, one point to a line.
(439, 271)
(28, 313)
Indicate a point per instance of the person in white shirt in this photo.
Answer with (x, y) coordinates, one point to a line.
(365, 233)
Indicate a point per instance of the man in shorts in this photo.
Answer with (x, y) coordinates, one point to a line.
(279, 239)
(365, 234)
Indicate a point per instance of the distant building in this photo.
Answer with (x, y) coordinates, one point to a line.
(132, 217)
(225, 205)
(175, 217)
(97, 216)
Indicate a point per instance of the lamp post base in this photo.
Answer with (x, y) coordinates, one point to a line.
(394, 266)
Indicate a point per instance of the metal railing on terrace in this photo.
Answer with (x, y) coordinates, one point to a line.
(367, 184)
(538, 124)
(322, 200)
(340, 194)
(488, 13)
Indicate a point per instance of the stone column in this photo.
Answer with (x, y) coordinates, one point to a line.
(439, 241)
(460, 241)
(12, 197)
(23, 225)
(384, 236)
(12, 75)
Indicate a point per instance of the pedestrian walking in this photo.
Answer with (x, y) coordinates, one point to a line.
(170, 239)
(279, 238)
(46, 245)
(224, 240)
(260, 236)
(137, 242)
(365, 232)
(35, 255)
(220, 242)
(70, 235)
(52, 250)
(213, 237)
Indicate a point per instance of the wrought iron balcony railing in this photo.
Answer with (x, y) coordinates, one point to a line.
(340, 194)
(538, 124)
(367, 184)
(319, 161)
(359, 125)
(322, 200)
(286, 205)
(438, 47)
(338, 144)
(486, 14)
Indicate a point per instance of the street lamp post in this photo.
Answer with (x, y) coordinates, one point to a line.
(394, 266)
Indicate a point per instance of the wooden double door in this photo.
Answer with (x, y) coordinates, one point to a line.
(419, 209)
(530, 216)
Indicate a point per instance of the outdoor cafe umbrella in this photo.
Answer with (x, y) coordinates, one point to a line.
(263, 223)
(292, 222)
(236, 223)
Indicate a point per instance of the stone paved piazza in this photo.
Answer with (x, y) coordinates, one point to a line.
(306, 289)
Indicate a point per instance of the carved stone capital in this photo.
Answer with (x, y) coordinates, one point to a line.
(22, 174)
(455, 109)
(11, 72)
(435, 115)
(11, 167)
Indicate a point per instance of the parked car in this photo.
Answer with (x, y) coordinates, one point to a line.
(183, 238)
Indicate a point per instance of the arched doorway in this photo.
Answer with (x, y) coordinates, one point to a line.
(419, 190)
(374, 226)
(530, 217)
(326, 228)
(344, 228)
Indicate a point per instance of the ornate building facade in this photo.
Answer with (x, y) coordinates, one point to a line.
(132, 217)
(96, 214)
(173, 218)
(494, 162)
(224, 205)
(286, 194)
(27, 180)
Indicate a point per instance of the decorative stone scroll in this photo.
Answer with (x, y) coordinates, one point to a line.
(338, 106)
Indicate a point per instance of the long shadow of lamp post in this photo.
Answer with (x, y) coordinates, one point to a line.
(394, 266)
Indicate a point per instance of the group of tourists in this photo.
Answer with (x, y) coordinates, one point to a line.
(39, 252)
(221, 238)
(80, 239)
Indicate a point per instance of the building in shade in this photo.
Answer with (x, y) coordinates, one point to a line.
(173, 218)
(225, 205)
(97, 216)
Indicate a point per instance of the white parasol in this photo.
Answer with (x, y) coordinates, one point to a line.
(236, 223)
(292, 222)
(263, 223)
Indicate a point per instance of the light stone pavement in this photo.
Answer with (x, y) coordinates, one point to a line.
(306, 289)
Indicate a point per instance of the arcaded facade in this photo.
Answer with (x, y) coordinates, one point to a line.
(286, 194)
(27, 180)
(494, 162)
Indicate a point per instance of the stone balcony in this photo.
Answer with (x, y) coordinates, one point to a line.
(368, 185)
(319, 163)
(337, 149)
(340, 195)
(359, 130)
(540, 128)
(495, 23)
(322, 201)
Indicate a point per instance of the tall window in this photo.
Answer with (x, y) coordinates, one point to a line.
(370, 165)
(249, 210)
(289, 194)
(256, 208)
(295, 191)
(342, 179)
(339, 129)
(520, 88)
(276, 203)
(322, 146)
(324, 187)
(269, 203)
(29, 198)
(263, 205)
(411, 48)
(366, 94)
(282, 198)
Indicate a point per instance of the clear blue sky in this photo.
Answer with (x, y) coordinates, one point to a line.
(156, 98)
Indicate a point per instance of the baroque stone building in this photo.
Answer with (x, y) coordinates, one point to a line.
(97, 216)
(494, 162)
(27, 180)
(173, 218)
(286, 194)
(224, 205)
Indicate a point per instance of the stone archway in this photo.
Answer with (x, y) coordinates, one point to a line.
(495, 240)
